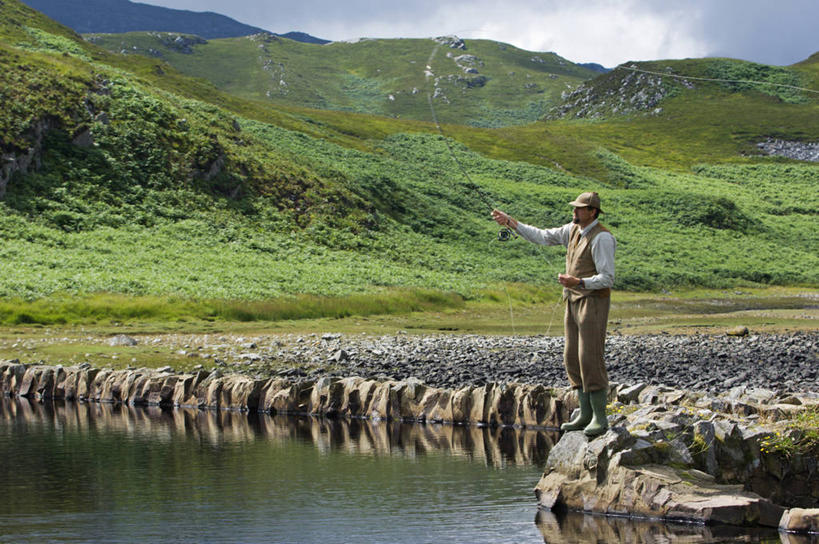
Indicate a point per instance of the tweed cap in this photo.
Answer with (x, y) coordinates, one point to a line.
(591, 199)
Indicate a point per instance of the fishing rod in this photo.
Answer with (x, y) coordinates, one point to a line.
(506, 233)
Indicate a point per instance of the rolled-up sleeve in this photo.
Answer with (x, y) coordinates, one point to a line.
(547, 237)
(603, 248)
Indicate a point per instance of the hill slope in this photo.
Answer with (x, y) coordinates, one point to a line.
(474, 82)
(123, 176)
(115, 16)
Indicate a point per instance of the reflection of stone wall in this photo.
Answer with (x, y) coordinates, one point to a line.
(492, 404)
(494, 446)
(573, 527)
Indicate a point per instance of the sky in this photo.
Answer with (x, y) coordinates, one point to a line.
(608, 32)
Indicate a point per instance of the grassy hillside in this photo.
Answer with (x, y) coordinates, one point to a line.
(146, 183)
(477, 82)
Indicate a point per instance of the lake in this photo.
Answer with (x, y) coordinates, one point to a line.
(86, 472)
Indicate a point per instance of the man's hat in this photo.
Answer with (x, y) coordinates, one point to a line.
(591, 200)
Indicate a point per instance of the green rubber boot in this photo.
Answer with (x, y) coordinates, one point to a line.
(599, 424)
(585, 415)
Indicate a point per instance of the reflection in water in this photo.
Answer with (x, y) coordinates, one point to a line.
(496, 447)
(109, 473)
(101, 473)
(577, 528)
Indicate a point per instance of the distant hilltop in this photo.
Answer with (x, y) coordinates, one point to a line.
(119, 16)
(594, 66)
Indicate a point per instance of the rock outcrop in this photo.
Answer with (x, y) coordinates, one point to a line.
(684, 456)
(801, 151)
(608, 476)
(14, 161)
(453, 42)
(622, 91)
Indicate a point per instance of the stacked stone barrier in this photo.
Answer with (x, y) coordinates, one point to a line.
(513, 404)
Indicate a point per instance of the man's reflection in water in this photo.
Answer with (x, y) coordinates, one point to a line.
(579, 528)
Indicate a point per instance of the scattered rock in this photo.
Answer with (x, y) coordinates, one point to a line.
(122, 340)
(713, 364)
(340, 356)
(800, 151)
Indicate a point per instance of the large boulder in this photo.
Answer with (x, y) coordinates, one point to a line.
(239, 393)
(800, 520)
(597, 476)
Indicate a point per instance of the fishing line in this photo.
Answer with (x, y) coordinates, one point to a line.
(503, 235)
(717, 80)
(428, 73)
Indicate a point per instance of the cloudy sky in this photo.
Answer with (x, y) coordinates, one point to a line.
(609, 32)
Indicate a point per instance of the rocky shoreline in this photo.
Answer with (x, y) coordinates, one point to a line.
(718, 445)
(732, 458)
(710, 363)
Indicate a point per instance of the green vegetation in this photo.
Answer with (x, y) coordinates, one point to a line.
(800, 435)
(505, 85)
(154, 185)
(112, 307)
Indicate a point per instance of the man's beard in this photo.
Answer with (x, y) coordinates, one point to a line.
(576, 220)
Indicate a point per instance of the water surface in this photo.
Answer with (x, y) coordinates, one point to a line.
(74, 472)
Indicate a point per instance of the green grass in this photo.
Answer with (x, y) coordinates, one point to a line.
(75, 329)
(386, 77)
(111, 307)
(192, 194)
(799, 436)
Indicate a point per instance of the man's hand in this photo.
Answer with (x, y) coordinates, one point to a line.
(504, 220)
(567, 280)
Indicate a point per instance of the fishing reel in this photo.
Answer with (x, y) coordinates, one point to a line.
(506, 234)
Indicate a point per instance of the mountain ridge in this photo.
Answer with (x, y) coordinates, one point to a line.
(118, 16)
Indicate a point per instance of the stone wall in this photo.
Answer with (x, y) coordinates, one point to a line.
(518, 405)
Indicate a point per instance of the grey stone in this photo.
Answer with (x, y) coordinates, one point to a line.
(122, 340)
(567, 456)
(339, 356)
(629, 394)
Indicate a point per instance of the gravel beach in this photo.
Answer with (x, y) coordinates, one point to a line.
(713, 363)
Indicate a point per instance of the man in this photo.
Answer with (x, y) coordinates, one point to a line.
(587, 293)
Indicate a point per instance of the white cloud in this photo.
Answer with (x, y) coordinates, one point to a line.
(600, 31)
(604, 32)
(609, 32)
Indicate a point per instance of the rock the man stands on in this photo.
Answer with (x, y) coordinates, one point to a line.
(587, 293)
